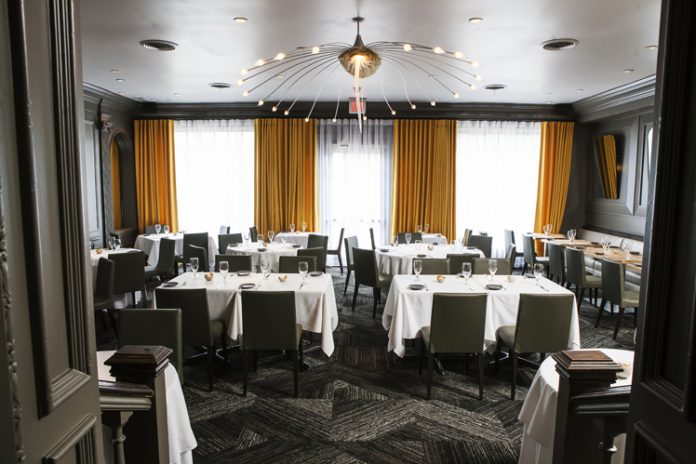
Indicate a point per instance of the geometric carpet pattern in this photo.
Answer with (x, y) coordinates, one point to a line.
(364, 405)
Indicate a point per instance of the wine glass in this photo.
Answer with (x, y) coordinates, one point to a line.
(247, 236)
(166, 229)
(283, 239)
(158, 227)
(117, 243)
(304, 227)
(303, 268)
(394, 241)
(454, 244)
(538, 272)
(111, 243)
(420, 228)
(571, 235)
(418, 245)
(426, 228)
(259, 239)
(224, 269)
(266, 268)
(271, 236)
(626, 247)
(407, 237)
(606, 243)
(492, 268)
(417, 268)
(466, 271)
(292, 228)
(193, 262)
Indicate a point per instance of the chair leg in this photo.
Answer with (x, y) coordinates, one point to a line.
(376, 296)
(481, 367)
(513, 380)
(301, 350)
(420, 358)
(223, 344)
(355, 294)
(105, 322)
(245, 362)
(601, 310)
(431, 358)
(211, 359)
(498, 343)
(340, 262)
(345, 290)
(295, 368)
(524, 269)
(618, 322)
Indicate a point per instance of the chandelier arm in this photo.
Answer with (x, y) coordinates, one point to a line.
(340, 94)
(321, 69)
(381, 84)
(429, 56)
(389, 57)
(320, 89)
(408, 99)
(334, 46)
(426, 49)
(260, 70)
(306, 61)
(471, 86)
(297, 75)
(285, 81)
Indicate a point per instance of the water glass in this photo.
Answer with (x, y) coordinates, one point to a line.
(266, 268)
(246, 237)
(292, 228)
(426, 228)
(417, 268)
(193, 262)
(111, 243)
(224, 269)
(538, 272)
(117, 243)
(571, 234)
(626, 247)
(394, 241)
(420, 228)
(466, 271)
(303, 268)
(283, 239)
(304, 227)
(166, 229)
(492, 267)
(158, 227)
(407, 237)
(259, 239)
(271, 236)
(606, 243)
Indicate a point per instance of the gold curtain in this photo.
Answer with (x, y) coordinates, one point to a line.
(554, 175)
(285, 168)
(115, 157)
(424, 176)
(606, 158)
(155, 173)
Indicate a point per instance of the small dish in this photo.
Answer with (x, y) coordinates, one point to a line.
(470, 248)
(316, 273)
(421, 255)
(295, 245)
(283, 277)
(530, 276)
(262, 249)
(242, 273)
(635, 253)
(247, 286)
(170, 284)
(416, 287)
(599, 253)
(494, 286)
(384, 250)
(595, 243)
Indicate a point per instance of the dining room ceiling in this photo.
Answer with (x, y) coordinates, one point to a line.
(613, 49)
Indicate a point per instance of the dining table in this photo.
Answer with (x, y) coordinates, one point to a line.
(538, 413)
(263, 252)
(315, 300)
(296, 238)
(434, 239)
(149, 244)
(399, 259)
(408, 310)
(543, 236)
(633, 259)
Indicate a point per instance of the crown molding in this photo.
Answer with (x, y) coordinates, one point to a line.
(93, 94)
(633, 96)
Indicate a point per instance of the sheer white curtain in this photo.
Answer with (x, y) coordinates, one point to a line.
(497, 172)
(214, 174)
(355, 179)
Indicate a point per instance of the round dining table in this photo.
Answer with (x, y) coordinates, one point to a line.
(268, 252)
(399, 259)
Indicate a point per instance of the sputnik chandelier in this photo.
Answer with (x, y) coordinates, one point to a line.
(275, 77)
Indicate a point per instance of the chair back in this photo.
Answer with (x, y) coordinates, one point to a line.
(104, 288)
(575, 266)
(318, 241)
(458, 322)
(543, 323)
(481, 266)
(434, 266)
(511, 253)
(199, 239)
(509, 238)
(195, 317)
(130, 271)
(235, 262)
(224, 240)
(154, 327)
(167, 256)
(291, 264)
(350, 243)
(483, 243)
(456, 261)
(337, 250)
(466, 237)
(365, 267)
(556, 260)
(372, 238)
(269, 321)
(613, 276)
(528, 249)
(150, 229)
(318, 253)
(202, 255)
(401, 237)
(253, 233)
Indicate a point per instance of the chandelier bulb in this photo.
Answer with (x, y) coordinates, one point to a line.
(315, 50)
(475, 64)
(260, 62)
(413, 107)
(438, 50)
(393, 113)
(432, 103)
(472, 87)
(280, 56)
(274, 109)
(408, 47)
(306, 119)
(458, 55)
(333, 120)
(455, 94)
(261, 102)
(286, 112)
(246, 93)
(240, 82)
(244, 71)
(478, 78)
(364, 117)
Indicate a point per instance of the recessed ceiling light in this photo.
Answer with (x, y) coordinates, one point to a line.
(579, 90)
(495, 87)
(628, 70)
(651, 47)
(115, 71)
(177, 94)
(240, 19)
(120, 80)
(219, 85)
(555, 45)
(475, 20)
(159, 45)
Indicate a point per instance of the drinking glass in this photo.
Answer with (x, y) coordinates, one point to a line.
(303, 268)
(246, 237)
(283, 239)
(626, 247)
(417, 268)
(166, 229)
(605, 243)
(547, 229)
(158, 227)
(117, 243)
(266, 268)
(193, 262)
(224, 269)
(271, 235)
(454, 244)
(571, 234)
(111, 243)
(394, 241)
(538, 272)
(304, 227)
(492, 267)
(292, 228)
(259, 239)
(407, 237)
(420, 228)
(466, 271)
(426, 228)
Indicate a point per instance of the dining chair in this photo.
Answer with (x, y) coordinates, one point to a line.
(318, 241)
(224, 240)
(483, 243)
(543, 326)
(130, 274)
(154, 327)
(350, 243)
(253, 234)
(165, 261)
(202, 255)
(510, 240)
(372, 238)
(104, 291)
(223, 230)
(456, 261)
(577, 275)
(557, 267)
(291, 264)
(198, 330)
(319, 253)
(150, 229)
(235, 262)
(337, 251)
(466, 237)
(457, 326)
(530, 256)
(401, 237)
(199, 239)
(367, 273)
(433, 266)
(481, 266)
(614, 291)
(270, 323)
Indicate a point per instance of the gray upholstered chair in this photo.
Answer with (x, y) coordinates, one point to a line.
(530, 256)
(130, 274)
(433, 266)
(199, 239)
(511, 255)
(614, 291)
(456, 261)
(318, 241)
(577, 275)
(253, 234)
(224, 240)
(350, 243)
(543, 326)
(165, 261)
(197, 328)
(104, 291)
(401, 237)
(319, 253)
(466, 237)
(291, 264)
(557, 267)
(510, 241)
(481, 266)
(372, 238)
(202, 254)
(150, 229)
(337, 251)
(457, 325)
(154, 327)
(235, 262)
(367, 273)
(483, 243)
(270, 323)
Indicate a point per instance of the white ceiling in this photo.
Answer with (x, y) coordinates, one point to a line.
(213, 48)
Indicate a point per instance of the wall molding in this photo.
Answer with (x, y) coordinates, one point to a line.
(94, 94)
(633, 96)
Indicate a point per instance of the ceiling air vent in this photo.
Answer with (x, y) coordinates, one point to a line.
(220, 85)
(161, 45)
(495, 87)
(559, 44)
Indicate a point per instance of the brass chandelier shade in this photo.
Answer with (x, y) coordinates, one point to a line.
(365, 59)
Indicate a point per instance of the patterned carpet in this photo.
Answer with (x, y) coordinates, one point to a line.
(363, 405)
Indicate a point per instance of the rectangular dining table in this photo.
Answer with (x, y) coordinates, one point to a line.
(633, 261)
(407, 311)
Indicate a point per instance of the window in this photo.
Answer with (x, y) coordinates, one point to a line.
(497, 172)
(214, 174)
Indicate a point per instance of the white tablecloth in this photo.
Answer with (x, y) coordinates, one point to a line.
(399, 260)
(273, 252)
(435, 239)
(538, 412)
(150, 246)
(407, 311)
(181, 438)
(315, 303)
(298, 238)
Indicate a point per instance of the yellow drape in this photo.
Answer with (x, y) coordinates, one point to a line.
(606, 158)
(115, 157)
(155, 173)
(554, 175)
(424, 176)
(285, 188)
